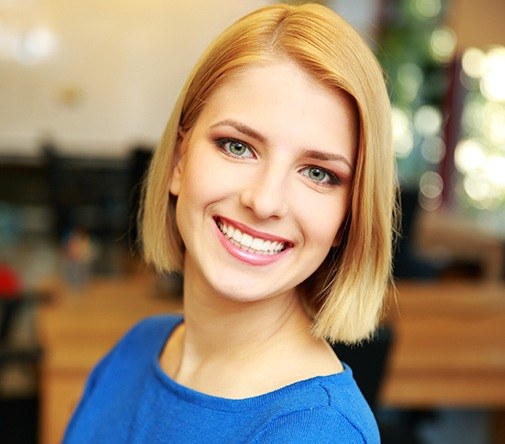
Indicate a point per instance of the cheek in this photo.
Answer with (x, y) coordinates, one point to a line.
(205, 177)
(323, 219)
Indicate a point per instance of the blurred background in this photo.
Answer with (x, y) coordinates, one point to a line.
(85, 90)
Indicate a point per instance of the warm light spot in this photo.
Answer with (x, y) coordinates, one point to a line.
(35, 45)
(428, 120)
(472, 62)
(431, 185)
(492, 83)
(473, 113)
(495, 171)
(477, 189)
(443, 44)
(428, 8)
(494, 122)
(433, 149)
(469, 156)
(410, 77)
(430, 204)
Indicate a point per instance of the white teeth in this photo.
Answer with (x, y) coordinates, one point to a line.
(237, 236)
(246, 240)
(248, 243)
(256, 244)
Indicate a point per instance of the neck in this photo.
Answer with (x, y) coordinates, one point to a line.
(235, 348)
(216, 324)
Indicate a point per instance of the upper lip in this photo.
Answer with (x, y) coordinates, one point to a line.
(254, 233)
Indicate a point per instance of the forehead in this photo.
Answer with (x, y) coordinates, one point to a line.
(284, 102)
(284, 77)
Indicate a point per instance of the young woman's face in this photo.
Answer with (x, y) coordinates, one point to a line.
(264, 181)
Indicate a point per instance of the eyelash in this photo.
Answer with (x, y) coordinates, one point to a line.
(333, 179)
(221, 144)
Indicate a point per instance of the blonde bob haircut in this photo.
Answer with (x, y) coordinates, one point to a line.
(345, 294)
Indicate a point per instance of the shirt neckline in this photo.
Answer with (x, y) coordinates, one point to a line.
(230, 404)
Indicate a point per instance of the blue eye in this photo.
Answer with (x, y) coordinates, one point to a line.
(236, 148)
(320, 176)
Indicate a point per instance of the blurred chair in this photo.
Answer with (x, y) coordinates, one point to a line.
(89, 194)
(19, 363)
(368, 362)
(400, 426)
(407, 263)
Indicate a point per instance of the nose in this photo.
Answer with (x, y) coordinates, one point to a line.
(265, 194)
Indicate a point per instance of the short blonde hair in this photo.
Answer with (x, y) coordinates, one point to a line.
(346, 293)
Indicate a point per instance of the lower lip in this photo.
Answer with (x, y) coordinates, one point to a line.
(245, 256)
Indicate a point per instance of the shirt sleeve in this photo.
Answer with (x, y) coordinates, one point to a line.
(91, 382)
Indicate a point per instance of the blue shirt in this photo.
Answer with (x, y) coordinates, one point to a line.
(129, 399)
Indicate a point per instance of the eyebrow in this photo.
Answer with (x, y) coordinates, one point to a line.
(320, 155)
(312, 154)
(244, 129)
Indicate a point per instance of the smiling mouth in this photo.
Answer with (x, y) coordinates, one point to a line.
(248, 243)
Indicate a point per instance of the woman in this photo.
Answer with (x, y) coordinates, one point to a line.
(273, 191)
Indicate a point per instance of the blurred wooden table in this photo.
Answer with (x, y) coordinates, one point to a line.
(78, 327)
(449, 343)
(449, 346)
(449, 349)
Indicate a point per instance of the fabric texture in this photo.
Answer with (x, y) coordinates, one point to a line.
(129, 399)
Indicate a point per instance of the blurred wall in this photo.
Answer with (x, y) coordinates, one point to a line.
(98, 75)
(477, 23)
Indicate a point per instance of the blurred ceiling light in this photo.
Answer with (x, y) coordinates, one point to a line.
(469, 156)
(472, 62)
(428, 8)
(443, 44)
(35, 45)
(433, 149)
(492, 83)
(403, 139)
(428, 120)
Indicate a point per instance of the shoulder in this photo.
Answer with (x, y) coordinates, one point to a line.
(147, 336)
(135, 350)
(323, 410)
(120, 376)
(155, 328)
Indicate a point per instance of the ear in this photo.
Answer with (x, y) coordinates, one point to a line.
(176, 181)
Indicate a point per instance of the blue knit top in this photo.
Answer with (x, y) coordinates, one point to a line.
(129, 399)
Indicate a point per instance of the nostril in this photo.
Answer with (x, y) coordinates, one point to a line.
(265, 200)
